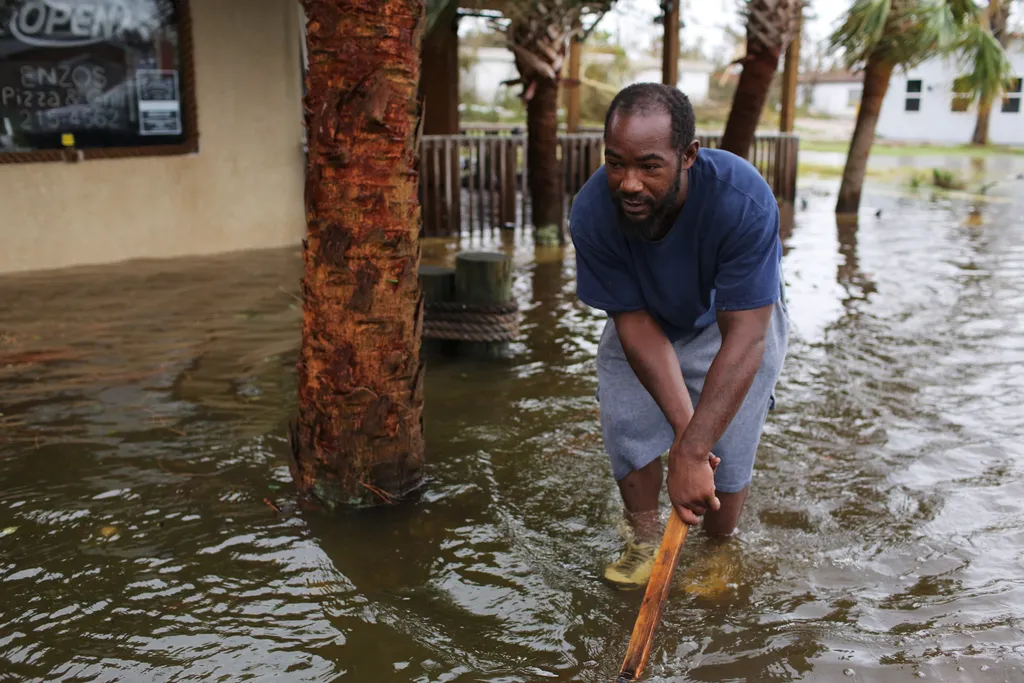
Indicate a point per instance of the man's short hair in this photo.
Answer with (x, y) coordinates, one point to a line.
(649, 98)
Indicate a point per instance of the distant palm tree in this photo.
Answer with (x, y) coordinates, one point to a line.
(538, 34)
(771, 26)
(881, 35)
(995, 20)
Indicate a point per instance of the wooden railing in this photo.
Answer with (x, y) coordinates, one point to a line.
(477, 181)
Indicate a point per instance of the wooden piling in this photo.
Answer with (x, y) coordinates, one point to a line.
(438, 284)
(483, 278)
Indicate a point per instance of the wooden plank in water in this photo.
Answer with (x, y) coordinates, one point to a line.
(642, 638)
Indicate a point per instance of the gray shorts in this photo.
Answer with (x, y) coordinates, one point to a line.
(635, 430)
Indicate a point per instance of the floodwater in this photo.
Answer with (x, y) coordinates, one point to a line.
(142, 447)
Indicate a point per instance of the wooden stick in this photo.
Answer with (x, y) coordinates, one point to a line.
(654, 600)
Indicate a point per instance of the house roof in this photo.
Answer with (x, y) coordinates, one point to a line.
(832, 77)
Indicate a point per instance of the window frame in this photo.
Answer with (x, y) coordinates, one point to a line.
(1014, 95)
(190, 116)
(913, 95)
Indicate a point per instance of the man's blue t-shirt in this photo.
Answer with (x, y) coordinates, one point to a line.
(723, 253)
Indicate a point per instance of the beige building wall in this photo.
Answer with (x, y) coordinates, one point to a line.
(244, 188)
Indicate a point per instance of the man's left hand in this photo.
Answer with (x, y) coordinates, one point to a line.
(691, 484)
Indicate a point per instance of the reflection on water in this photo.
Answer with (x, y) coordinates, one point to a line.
(142, 456)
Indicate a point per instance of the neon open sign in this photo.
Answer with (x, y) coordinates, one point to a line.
(56, 23)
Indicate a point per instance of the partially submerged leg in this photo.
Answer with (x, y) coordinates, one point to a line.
(640, 490)
(722, 522)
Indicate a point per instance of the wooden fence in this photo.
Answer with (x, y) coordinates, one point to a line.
(476, 180)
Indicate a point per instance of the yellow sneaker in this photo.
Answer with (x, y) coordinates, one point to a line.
(633, 568)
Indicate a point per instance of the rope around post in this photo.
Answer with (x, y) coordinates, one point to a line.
(471, 322)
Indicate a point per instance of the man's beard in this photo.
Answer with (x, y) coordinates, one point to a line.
(650, 228)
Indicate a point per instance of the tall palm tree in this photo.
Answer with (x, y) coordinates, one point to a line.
(884, 34)
(538, 34)
(995, 20)
(771, 26)
(359, 436)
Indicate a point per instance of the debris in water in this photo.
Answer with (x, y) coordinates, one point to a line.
(8, 531)
(272, 506)
(849, 672)
(108, 531)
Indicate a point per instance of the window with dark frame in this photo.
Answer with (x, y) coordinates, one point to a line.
(102, 78)
(1012, 97)
(913, 103)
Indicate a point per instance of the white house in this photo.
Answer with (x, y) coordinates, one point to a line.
(921, 106)
(694, 76)
(490, 66)
(834, 93)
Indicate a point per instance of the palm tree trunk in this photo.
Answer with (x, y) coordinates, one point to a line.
(997, 16)
(877, 72)
(748, 102)
(543, 169)
(980, 136)
(359, 435)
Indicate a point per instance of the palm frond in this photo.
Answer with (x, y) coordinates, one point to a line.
(862, 29)
(939, 27)
(984, 62)
(965, 10)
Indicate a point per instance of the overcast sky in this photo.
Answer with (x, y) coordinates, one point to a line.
(632, 21)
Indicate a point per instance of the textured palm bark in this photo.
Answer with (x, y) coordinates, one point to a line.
(544, 174)
(538, 35)
(748, 101)
(980, 136)
(770, 26)
(359, 435)
(998, 15)
(877, 73)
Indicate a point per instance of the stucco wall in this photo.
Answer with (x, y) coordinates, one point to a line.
(244, 189)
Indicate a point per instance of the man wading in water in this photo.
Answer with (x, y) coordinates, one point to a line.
(680, 246)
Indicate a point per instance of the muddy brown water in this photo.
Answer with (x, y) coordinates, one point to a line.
(143, 424)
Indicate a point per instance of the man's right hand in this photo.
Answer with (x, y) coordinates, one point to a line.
(691, 484)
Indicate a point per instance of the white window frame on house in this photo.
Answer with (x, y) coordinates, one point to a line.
(1012, 96)
(913, 95)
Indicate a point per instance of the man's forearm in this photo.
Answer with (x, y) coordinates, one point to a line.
(725, 387)
(654, 362)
